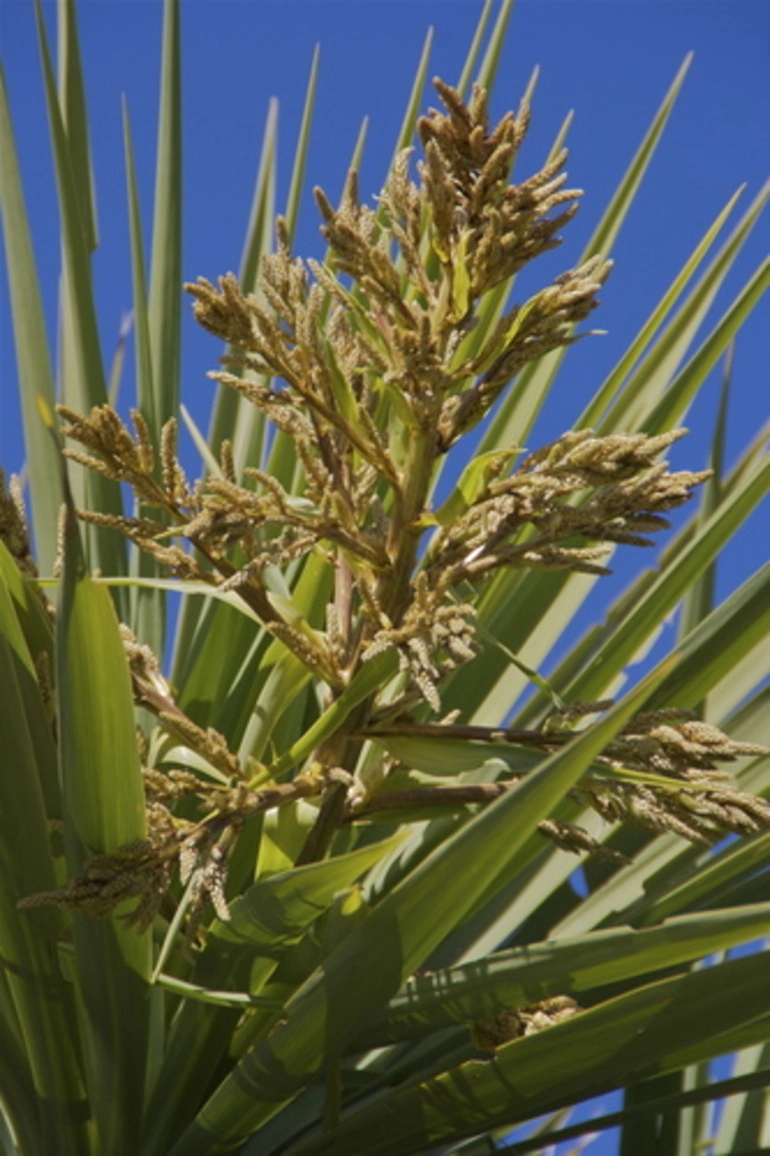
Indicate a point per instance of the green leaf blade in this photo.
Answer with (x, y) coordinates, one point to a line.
(104, 809)
(32, 349)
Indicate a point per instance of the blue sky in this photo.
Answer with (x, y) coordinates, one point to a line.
(609, 60)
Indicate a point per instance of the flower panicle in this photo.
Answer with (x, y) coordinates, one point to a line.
(373, 364)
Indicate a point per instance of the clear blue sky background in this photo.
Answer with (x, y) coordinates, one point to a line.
(609, 60)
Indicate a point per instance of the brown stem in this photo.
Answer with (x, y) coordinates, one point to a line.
(339, 753)
(322, 832)
(256, 598)
(343, 602)
(429, 797)
(499, 735)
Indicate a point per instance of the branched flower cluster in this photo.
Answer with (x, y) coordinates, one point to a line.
(372, 385)
(141, 870)
(686, 788)
(500, 227)
(151, 690)
(374, 364)
(222, 520)
(701, 803)
(489, 1035)
(432, 640)
(689, 791)
(13, 525)
(600, 489)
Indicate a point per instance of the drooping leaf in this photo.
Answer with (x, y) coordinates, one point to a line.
(520, 976)
(647, 1031)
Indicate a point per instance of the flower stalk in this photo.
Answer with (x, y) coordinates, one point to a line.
(367, 363)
